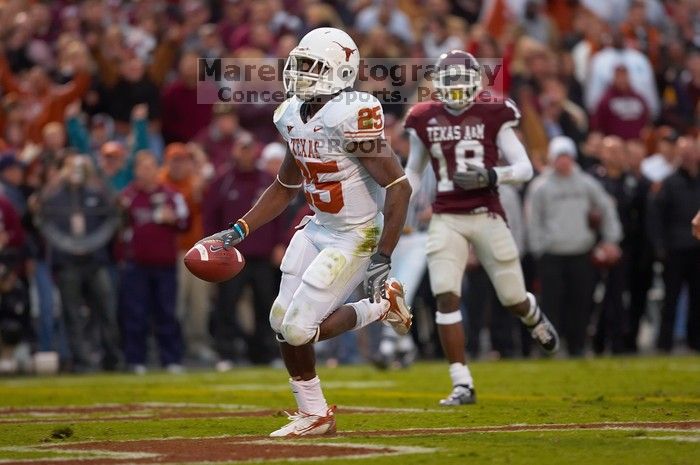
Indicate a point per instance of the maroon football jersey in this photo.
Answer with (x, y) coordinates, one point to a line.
(454, 140)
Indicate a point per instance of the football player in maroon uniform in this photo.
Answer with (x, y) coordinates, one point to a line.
(462, 136)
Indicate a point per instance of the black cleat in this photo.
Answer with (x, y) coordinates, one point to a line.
(545, 334)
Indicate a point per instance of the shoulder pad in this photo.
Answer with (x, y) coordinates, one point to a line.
(347, 105)
(282, 108)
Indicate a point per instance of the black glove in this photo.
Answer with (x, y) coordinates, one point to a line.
(376, 275)
(231, 236)
(475, 177)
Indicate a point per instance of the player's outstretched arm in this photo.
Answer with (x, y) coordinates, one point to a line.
(269, 206)
(276, 198)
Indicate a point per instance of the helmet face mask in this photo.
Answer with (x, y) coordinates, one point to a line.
(457, 79)
(325, 62)
(306, 76)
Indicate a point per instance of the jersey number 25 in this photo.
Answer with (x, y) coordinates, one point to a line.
(326, 196)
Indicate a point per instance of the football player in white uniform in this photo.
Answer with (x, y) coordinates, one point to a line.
(463, 137)
(338, 156)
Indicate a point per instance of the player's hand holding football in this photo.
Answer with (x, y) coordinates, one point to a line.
(233, 235)
(475, 177)
(376, 275)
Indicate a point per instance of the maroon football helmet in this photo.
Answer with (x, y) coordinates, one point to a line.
(457, 78)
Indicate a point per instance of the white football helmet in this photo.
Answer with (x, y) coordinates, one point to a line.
(325, 62)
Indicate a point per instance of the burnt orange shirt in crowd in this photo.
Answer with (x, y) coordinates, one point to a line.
(49, 107)
(186, 188)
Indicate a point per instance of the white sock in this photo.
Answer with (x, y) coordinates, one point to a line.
(387, 347)
(460, 374)
(309, 396)
(367, 312)
(405, 344)
(533, 315)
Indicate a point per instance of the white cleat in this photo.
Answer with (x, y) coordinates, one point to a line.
(399, 314)
(303, 424)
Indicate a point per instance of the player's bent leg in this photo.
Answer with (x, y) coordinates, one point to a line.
(541, 329)
(298, 257)
(498, 254)
(327, 281)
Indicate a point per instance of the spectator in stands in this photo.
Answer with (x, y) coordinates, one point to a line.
(182, 114)
(613, 318)
(78, 217)
(384, 13)
(621, 111)
(217, 138)
(593, 31)
(603, 66)
(636, 246)
(12, 235)
(130, 86)
(53, 137)
(16, 331)
(561, 116)
(672, 210)
(49, 327)
(11, 179)
(47, 100)
(271, 158)
(638, 30)
(154, 215)
(537, 24)
(438, 40)
(663, 163)
(115, 161)
(559, 203)
(230, 195)
(181, 173)
(688, 89)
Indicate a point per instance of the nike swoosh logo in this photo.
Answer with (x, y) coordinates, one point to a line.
(215, 248)
(318, 128)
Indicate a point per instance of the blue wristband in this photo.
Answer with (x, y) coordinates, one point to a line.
(238, 229)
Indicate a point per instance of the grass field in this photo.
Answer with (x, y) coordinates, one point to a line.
(605, 411)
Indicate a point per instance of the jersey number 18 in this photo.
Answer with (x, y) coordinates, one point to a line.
(466, 146)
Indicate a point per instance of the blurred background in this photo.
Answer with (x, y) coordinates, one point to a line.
(110, 170)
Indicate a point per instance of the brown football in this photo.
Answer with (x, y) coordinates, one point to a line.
(208, 260)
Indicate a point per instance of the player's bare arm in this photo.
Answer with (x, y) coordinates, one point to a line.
(269, 206)
(276, 198)
(385, 169)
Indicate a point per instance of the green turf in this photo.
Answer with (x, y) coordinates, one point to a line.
(520, 392)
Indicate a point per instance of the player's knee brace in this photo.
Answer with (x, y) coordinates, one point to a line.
(295, 335)
(277, 313)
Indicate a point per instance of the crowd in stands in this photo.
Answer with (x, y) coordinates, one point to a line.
(111, 169)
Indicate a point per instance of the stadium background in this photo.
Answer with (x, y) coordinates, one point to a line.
(85, 86)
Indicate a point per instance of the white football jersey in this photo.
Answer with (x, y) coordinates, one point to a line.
(338, 188)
